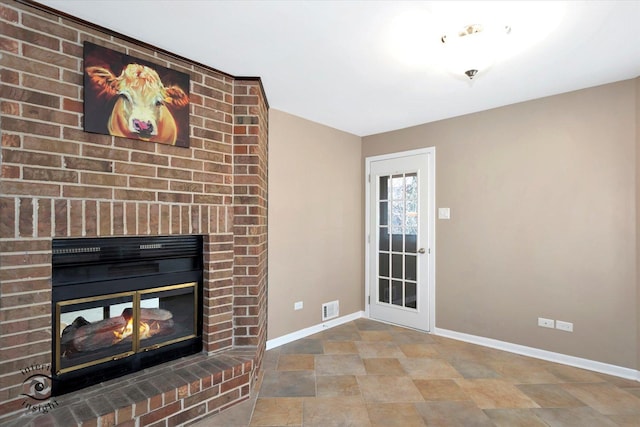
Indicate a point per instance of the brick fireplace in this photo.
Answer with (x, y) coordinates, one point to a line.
(59, 182)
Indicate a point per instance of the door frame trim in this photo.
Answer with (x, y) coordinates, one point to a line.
(431, 209)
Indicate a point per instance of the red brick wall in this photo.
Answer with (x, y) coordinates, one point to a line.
(250, 215)
(59, 181)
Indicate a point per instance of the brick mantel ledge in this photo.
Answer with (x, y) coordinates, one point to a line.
(170, 394)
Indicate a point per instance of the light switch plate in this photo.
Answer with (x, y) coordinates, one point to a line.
(444, 213)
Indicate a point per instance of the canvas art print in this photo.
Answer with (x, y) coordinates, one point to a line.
(133, 98)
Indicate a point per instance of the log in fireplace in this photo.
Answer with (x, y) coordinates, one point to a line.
(123, 304)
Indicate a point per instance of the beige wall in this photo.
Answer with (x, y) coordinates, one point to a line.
(315, 222)
(543, 201)
(543, 221)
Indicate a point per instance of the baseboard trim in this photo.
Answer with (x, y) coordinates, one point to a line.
(578, 362)
(550, 356)
(302, 333)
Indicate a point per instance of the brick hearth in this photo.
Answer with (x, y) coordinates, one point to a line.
(58, 181)
(170, 394)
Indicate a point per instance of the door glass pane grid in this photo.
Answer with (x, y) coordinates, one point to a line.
(397, 238)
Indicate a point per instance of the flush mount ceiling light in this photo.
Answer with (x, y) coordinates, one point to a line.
(425, 36)
(474, 47)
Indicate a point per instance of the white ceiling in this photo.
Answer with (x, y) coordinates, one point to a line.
(333, 62)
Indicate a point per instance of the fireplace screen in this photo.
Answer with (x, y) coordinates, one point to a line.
(99, 329)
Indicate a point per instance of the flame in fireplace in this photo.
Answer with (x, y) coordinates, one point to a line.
(144, 331)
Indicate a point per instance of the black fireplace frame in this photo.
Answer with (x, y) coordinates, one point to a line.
(90, 267)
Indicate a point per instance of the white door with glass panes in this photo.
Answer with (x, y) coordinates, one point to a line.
(400, 238)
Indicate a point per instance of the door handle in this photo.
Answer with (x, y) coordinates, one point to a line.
(421, 251)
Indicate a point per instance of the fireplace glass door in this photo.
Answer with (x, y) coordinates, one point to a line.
(111, 327)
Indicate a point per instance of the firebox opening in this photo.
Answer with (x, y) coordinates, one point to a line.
(123, 304)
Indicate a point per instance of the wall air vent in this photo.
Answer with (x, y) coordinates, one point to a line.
(330, 310)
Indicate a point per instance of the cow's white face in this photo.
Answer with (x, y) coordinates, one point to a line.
(142, 95)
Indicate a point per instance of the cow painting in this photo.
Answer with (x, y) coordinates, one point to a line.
(135, 102)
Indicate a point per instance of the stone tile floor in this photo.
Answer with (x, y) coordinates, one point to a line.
(366, 373)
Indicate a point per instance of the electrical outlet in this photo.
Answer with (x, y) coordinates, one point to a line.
(545, 323)
(298, 305)
(564, 326)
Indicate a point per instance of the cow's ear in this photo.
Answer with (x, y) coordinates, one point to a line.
(176, 97)
(103, 79)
